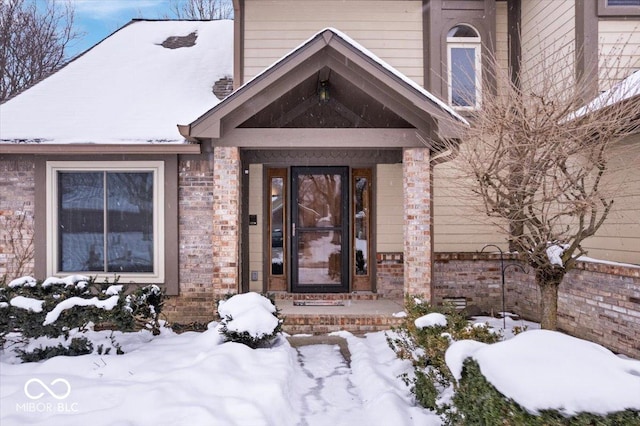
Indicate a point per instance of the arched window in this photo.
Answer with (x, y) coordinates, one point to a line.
(464, 67)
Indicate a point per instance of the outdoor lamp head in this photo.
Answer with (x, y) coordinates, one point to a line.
(323, 91)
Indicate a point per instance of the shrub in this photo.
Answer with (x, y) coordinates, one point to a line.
(250, 319)
(145, 305)
(478, 402)
(78, 346)
(425, 347)
(54, 307)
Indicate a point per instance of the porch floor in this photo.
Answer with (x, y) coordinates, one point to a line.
(355, 314)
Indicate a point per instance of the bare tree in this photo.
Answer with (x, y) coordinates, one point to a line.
(32, 42)
(16, 233)
(537, 158)
(202, 9)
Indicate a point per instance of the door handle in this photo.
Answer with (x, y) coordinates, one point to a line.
(293, 229)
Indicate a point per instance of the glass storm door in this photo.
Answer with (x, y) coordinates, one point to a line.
(319, 229)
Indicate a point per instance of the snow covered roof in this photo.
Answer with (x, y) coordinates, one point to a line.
(626, 89)
(133, 87)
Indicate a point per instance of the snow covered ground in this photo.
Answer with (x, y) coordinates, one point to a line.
(196, 379)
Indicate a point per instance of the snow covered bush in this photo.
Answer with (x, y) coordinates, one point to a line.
(54, 307)
(541, 378)
(77, 346)
(250, 319)
(423, 338)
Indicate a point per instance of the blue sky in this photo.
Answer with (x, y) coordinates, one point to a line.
(96, 19)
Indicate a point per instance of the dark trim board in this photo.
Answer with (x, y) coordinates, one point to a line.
(320, 157)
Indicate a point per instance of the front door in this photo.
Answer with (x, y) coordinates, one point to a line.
(319, 229)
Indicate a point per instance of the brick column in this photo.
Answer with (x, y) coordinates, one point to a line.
(417, 222)
(226, 219)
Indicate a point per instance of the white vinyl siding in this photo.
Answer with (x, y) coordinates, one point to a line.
(619, 237)
(459, 225)
(390, 29)
(390, 213)
(502, 40)
(548, 37)
(621, 40)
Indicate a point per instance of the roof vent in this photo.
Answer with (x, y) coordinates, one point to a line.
(176, 42)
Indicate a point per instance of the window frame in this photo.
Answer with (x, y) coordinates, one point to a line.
(52, 216)
(277, 173)
(361, 173)
(605, 9)
(465, 43)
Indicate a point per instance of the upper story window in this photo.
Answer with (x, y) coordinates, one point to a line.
(623, 2)
(105, 219)
(618, 7)
(464, 67)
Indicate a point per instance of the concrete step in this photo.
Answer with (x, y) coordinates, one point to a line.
(354, 315)
(360, 295)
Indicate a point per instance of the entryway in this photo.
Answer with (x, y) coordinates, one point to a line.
(316, 236)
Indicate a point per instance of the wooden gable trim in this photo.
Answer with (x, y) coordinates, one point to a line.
(385, 94)
(412, 95)
(255, 104)
(246, 96)
(326, 49)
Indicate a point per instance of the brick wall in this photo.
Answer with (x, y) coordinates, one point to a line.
(601, 303)
(390, 275)
(474, 277)
(417, 221)
(16, 217)
(226, 219)
(597, 302)
(195, 200)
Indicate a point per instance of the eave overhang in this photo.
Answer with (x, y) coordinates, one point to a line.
(85, 149)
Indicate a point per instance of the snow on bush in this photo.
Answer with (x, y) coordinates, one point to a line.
(547, 370)
(54, 314)
(23, 282)
(58, 307)
(27, 303)
(80, 281)
(249, 318)
(433, 319)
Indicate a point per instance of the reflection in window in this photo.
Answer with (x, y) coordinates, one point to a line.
(361, 212)
(105, 222)
(463, 76)
(319, 260)
(319, 223)
(463, 53)
(277, 225)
